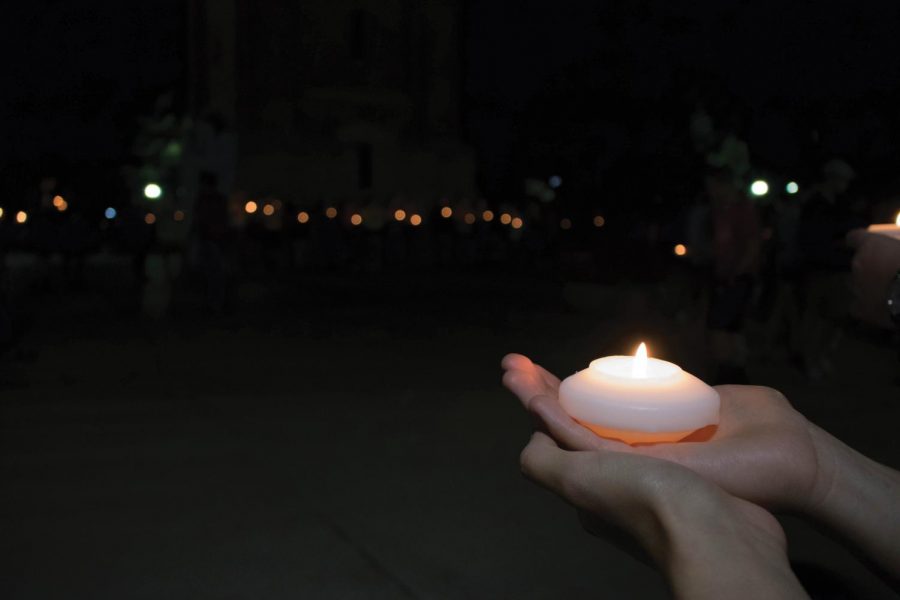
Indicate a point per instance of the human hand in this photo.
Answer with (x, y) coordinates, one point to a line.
(875, 264)
(762, 450)
(706, 542)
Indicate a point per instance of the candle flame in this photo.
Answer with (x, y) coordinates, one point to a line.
(639, 366)
(898, 219)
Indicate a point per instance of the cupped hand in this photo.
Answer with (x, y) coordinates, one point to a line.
(761, 451)
(689, 527)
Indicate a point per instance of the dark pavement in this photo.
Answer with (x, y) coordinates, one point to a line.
(340, 439)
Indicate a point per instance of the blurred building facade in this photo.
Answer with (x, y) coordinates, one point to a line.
(347, 100)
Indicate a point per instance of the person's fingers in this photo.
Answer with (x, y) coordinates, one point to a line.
(525, 385)
(566, 431)
(546, 464)
(515, 361)
(549, 378)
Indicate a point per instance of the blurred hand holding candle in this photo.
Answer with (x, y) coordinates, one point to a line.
(887, 229)
(638, 399)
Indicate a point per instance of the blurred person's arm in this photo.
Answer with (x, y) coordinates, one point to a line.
(875, 265)
(706, 543)
(753, 240)
(762, 451)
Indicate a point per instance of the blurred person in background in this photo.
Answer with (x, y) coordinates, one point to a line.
(210, 229)
(826, 218)
(735, 235)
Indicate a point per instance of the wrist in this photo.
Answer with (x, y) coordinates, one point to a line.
(855, 498)
(730, 548)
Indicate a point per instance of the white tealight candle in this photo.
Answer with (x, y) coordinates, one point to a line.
(638, 399)
(887, 229)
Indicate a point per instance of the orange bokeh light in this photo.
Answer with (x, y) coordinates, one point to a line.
(303, 216)
(415, 220)
(446, 212)
(331, 212)
(356, 219)
(506, 218)
(21, 216)
(179, 215)
(680, 250)
(517, 223)
(599, 221)
(469, 218)
(250, 207)
(149, 218)
(488, 215)
(399, 214)
(269, 210)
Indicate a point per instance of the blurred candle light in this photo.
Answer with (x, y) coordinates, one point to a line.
(58, 201)
(269, 210)
(250, 207)
(21, 217)
(1, 212)
(890, 230)
(446, 212)
(517, 223)
(149, 218)
(303, 217)
(469, 218)
(506, 218)
(399, 214)
(356, 219)
(680, 250)
(637, 399)
(415, 220)
(488, 215)
(599, 221)
(179, 215)
(331, 212)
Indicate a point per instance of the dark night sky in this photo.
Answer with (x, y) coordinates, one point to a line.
(77, 74)
(837, 67)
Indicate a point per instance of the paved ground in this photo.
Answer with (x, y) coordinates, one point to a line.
(349, 441)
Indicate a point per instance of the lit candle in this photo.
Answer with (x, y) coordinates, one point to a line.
(638, 399)
(888, 229)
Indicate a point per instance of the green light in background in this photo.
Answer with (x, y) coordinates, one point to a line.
(152, 191)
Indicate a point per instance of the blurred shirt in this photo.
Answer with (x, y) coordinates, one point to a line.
(736, 238)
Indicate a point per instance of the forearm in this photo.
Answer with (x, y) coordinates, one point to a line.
(724, 556)
(857, 498)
